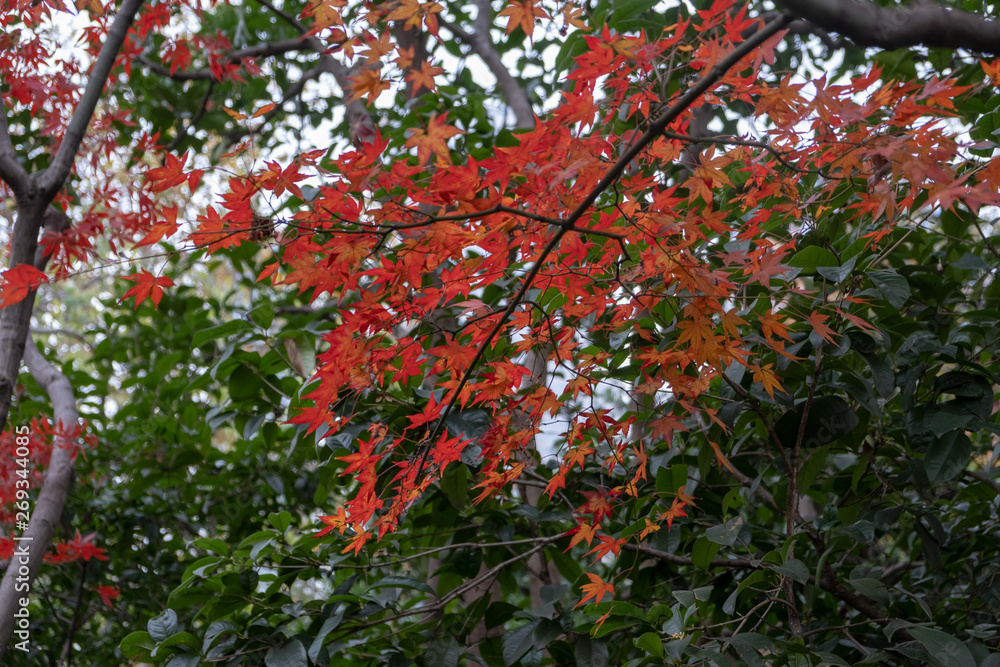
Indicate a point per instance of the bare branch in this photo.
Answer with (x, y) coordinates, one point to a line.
(920, 23)
(482, 45)
(262, 50)
(51, 181)
(985, 479)
(734, 563)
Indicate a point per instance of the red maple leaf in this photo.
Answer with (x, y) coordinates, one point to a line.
(172, 173)
(108, 594)
(19, 282)
(147, 286)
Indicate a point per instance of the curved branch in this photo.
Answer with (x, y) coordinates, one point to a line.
(920, 23)
(58, 480)
(11, 171)
(51, 181)
(482, 45)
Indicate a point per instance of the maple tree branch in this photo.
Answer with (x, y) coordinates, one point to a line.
(920, 23)
(443, 601)
(51, 181)
(733, 141)
(11, 171)
(482, 45)
(186, 129)
(76, 621)
(262, 50)
(58, 480)
(613, 174)
(734, 563)
(988, 481)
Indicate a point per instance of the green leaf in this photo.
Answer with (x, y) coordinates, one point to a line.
(401, 582)
(280, 520)
(213, 544)
(668, 480)
(229, 330)
(162, 626)
(590, 652)
(138, 646)
(727, 533)
(517, 642)
(947, 456)
(329, 625)
(837, 274)
(290, 654)
(650, 642)
(793, 568)
(703, 551)
(177, 639)
(893, 286)
(830, 418)
(499, 613)
(617, 608)
(444, 652)
(943, 647)
(455, 484)
(811, 257)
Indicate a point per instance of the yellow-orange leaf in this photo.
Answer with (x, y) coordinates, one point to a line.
(523, 13)
(369, 82)
(767, 378)
(433, 140)
(595, 590)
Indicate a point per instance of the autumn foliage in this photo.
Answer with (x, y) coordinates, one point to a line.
(631, 325)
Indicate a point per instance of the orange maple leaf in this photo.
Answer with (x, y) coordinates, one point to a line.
(595, 590)
(523, 13)
(423, 78)
(816, 320)
(368, 82)
(650, 527)
(606, 544)
(767, 378)
(676, 510)
(992, 70)
(336, 522)
(583, 531)
(147, 286)
(433, 140)
(19, 282)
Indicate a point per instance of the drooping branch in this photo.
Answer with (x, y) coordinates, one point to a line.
(656, 127)
(58, 481)
(920, 23)
(51, 181)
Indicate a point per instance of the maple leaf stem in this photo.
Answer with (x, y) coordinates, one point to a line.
(51, 181)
